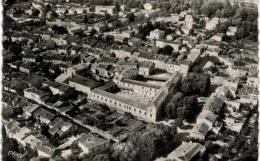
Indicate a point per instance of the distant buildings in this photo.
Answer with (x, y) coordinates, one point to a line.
(212, 24)
(102, 10)
(156, 34)
(173, 19)
(217, 37)
(231, 31)
(252, 82)
(164, 63)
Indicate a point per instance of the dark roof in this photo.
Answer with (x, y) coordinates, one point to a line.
(86, 81)
(57, 85)
(43, 113)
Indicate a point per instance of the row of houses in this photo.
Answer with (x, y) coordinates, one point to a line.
(209, 114)
(25, 136)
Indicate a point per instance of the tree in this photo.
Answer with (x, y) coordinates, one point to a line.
(129, 4)
(131, 17)
(125, 152)
(202, 84)
(195, 84)
(236, 21)
(209, 8)
(218, 13)
(190, 107)
(75, 149)
(101, 157)
(186, 85)
(59, 29)
(240, 33)
(166, 50)
(15, 48)
(147, 144)
(181, 113)
(222, 27)
(117, 6)
(171, 109)
(196, 5)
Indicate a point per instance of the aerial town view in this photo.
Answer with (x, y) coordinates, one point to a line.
(130, 80)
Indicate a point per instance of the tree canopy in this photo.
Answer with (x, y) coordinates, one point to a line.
(195, 84)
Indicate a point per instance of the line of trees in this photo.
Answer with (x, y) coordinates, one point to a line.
(184, 104)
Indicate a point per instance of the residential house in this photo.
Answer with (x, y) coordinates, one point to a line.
(102, 10)
(36, 95)
(151, 13)
(45, 150)
(83, 84)
(249, 99)
(237, 71)
(29, 109)
(122, 51)
(30, 58)
(106, 61)
(123, 64)
(92, 144)
(60, 127)
(252, 82)
(27, 67)
(57, 88)
(232, 85)
(14, 86)
(135, 42)
(74, 69)
(43, 115)
(186, 30)
(174, 18)
(212, 24)
(146, 68)
(217, 37)
(194, 54)
(162, 44)
(156, 34)
(102, 70)
(130, 73)
(231, 31)
(185, 152)
(232, 106)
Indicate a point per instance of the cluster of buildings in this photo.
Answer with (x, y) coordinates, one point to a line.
(67, 63)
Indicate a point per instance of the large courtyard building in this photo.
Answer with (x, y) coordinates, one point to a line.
(148, 111)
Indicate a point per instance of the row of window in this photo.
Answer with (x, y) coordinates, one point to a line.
(120, 105)
(124, 84)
